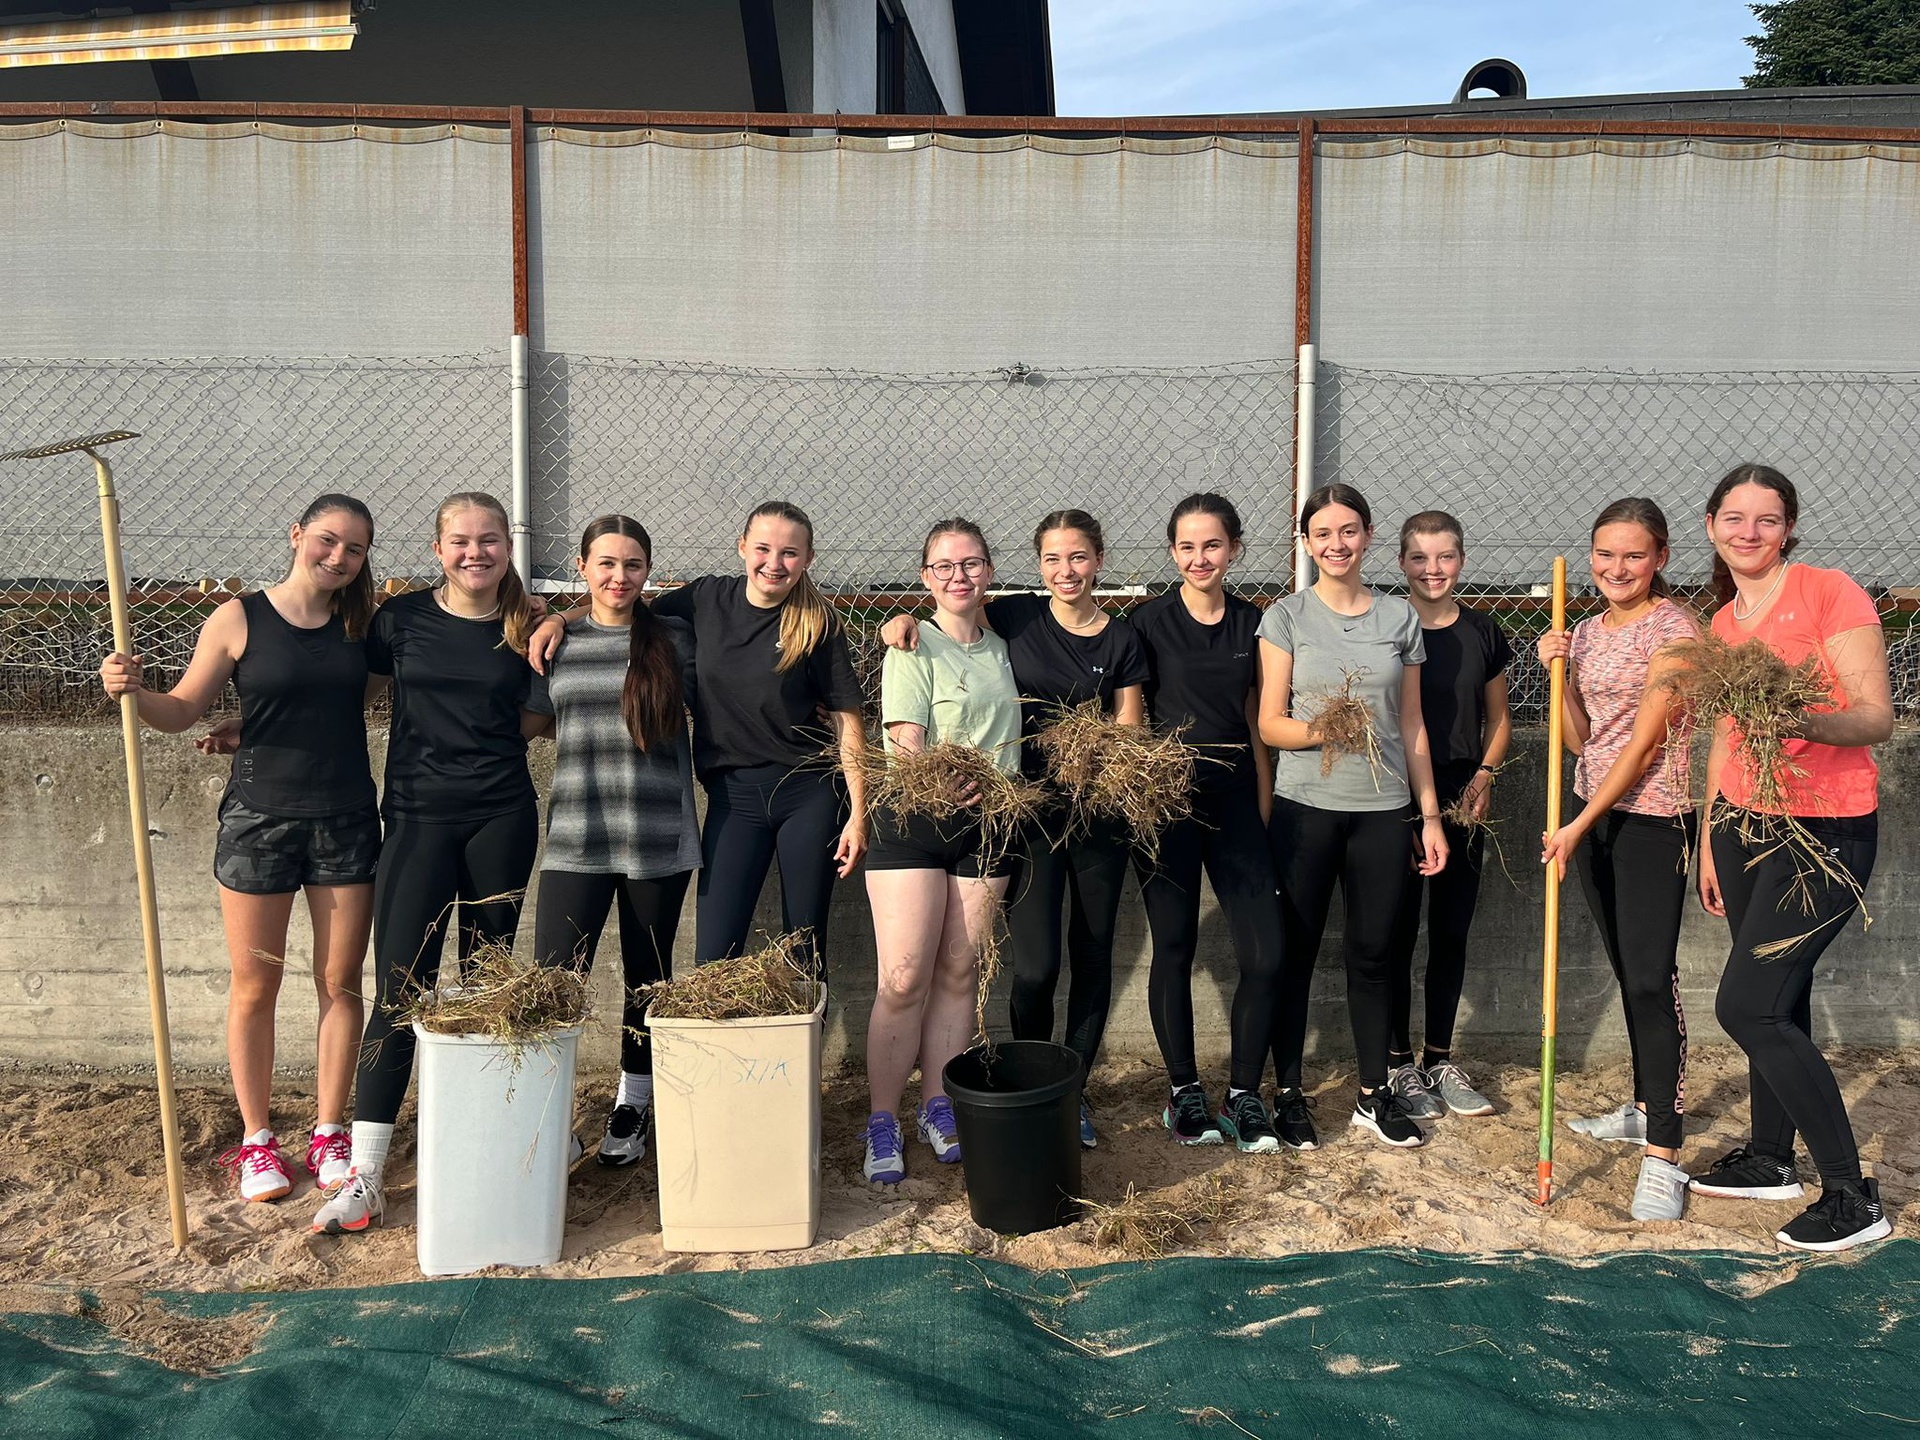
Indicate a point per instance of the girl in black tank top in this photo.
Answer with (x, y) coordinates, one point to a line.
(298, 813)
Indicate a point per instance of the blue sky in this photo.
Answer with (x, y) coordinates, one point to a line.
(1172, 57)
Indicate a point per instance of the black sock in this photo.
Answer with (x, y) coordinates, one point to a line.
(1430, 1057)
(1397, 1058)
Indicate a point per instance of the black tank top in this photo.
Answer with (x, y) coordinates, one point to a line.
(303, 728)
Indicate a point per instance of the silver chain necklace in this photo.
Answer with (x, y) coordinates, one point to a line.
(1760, 604)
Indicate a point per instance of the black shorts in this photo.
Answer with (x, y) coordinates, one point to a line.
(919, 842)
(260, 854)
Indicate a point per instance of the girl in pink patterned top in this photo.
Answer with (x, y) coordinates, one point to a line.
(1631, 841)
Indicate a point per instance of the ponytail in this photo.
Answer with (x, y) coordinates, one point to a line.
(356, 601)
(652, 699)
(805, 619)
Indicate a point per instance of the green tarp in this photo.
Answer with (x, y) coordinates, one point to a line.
(902, 1346)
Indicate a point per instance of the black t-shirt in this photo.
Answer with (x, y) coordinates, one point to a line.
(1056, 668)
(744, 713)
(1200, 676)
(1461, 659)
(454, 751)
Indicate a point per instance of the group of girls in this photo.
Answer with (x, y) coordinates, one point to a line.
(762, 666)
(1785, 881)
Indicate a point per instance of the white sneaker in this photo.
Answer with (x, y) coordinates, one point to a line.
(625, 1140)
(330, 1159)
(1627, 1124)
(1661, 1191)
(261, 1169)
(358, 1202)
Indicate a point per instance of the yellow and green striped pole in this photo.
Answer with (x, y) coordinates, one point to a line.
(1550, 967)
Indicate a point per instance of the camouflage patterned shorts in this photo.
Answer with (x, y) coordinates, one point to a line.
(260, 854)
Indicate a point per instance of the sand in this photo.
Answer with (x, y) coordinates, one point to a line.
(82, 1197)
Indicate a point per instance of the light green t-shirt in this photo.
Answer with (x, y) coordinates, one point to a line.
(963, 694)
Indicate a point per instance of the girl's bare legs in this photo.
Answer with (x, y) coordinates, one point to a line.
(256, 927)
(909, 912)
(342, 916)
(972, 906)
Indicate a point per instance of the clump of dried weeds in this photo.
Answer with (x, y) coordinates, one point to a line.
(1147, 1225)
(1127, 773)
(773, 980)
(1344, 724)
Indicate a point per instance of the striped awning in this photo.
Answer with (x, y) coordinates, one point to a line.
(187, 35)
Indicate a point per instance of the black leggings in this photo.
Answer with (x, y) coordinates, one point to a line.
(1765, 1000)
(425, 868)
(752, 814)
(566, 931)
(1224, 835)
(1370, 854)
(1451, 898)
(1633, 869)
(1085, 874)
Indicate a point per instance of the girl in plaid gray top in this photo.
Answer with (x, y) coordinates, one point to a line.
(620, 818)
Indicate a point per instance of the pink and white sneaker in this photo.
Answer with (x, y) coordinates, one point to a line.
(330, 1159)
(261, 1169)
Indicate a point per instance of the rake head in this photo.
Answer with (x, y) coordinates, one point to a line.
(67, 447)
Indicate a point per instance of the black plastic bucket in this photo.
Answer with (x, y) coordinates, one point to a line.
(1017, 1108)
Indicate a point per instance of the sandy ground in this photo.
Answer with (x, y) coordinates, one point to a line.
(82, 1201)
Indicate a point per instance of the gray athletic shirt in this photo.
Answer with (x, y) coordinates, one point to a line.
(614, 810)
(1325, 646)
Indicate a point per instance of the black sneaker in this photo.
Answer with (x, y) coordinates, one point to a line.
(1243, 1120)
(625, 1140)
(1745, 1174)
(1839, 1220)
(1293, 1120)
(1187, 1119)
(1382, 1113)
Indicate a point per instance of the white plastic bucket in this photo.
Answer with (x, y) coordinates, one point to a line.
(736, 1107)
(495, 1127)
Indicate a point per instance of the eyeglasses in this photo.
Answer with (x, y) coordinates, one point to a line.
(971, 567)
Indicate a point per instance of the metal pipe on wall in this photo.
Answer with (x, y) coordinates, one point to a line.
(521, 505)
(1303, 463)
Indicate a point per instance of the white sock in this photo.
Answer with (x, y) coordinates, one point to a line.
(1178, 1088)
(260, 1137)
(325, 1130)
(635, 1090)
(370, 1143)
(1234, 1093)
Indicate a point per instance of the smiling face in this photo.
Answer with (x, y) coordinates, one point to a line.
(958, 592)
(1432, 564)
(1337, 540)
(1750, 528)
(1625, 559)
(615, 568)
(331, 549)
(474, 550)
(1202, 552)
(777, 553)
(1069, 564)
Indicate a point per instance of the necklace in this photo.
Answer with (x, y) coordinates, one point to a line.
(1760, 604)
(1079, 624)
(440, 597)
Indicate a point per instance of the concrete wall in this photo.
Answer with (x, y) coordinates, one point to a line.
(71, 986)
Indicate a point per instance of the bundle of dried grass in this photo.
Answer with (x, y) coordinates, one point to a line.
(770, 981)
(1344, 724)
(948, 780)
(1127, 773)
(1145, 1226)
(513, 1005)
(1766, 698)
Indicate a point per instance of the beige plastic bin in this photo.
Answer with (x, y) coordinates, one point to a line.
(736, 1106)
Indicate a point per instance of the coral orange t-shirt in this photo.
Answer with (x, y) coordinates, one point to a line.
(1813, 606)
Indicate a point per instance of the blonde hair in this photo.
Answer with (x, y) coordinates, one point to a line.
(516, 610)
(807, 618)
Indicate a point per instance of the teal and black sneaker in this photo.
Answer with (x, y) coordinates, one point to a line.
(1187, 1120)
(1243, 1120)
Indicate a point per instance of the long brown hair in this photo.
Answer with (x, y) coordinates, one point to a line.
(354, 602)
(652, 701)
(1071, 519)
(1638, 510)
(1768, 478)
(807, 618)
(516, 611)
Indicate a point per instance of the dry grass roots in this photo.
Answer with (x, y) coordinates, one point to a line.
(1146, 1226)
(1124, 773)
(514, 1005)
(772, 980)
(949, 780)
(1345, 727)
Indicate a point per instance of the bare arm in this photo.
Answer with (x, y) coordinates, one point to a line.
(547, 635)
(1558, 644)
(1496, 735)
(1413, 735)
(1278, 728)
(1643, 748)
(908, 737)
(1710, 898)
(1262, 757)
(1130, 705)
(852, 844)
(222, 640)
(1859, 659)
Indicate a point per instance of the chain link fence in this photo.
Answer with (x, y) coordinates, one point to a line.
(1526, 461)
(230, 452)
(232, 449)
